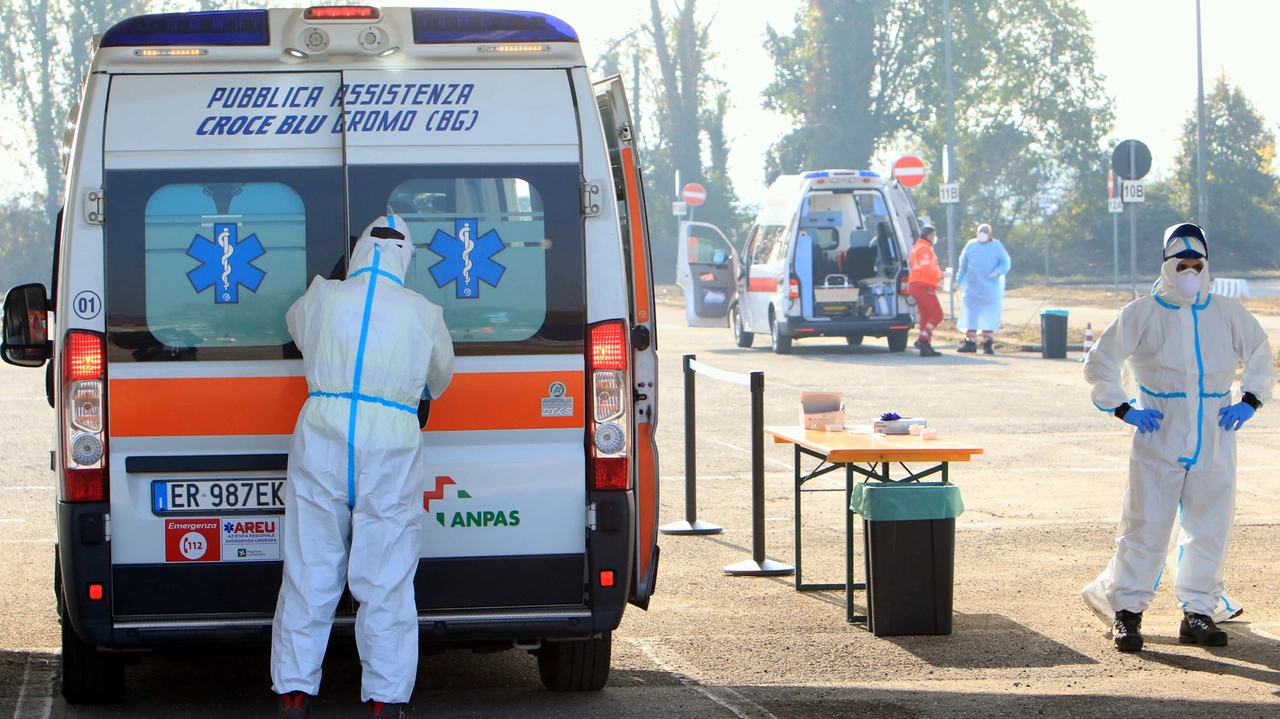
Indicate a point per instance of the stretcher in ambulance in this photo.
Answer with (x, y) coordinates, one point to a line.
(220, 161)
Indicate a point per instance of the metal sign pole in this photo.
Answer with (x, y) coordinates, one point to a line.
(1133, 226)
(1115, 246)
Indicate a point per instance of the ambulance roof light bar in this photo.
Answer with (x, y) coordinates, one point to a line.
(219, 28)
(437, 26)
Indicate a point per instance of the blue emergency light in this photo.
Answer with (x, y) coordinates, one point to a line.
(826, 173)
(233, 27)
(433, 26)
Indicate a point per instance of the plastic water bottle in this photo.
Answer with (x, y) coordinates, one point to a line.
(946, 281)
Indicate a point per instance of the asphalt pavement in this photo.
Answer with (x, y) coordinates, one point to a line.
(1041, 506)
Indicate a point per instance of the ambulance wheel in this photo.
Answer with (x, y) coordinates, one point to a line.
(88, 675)
(742, 337)
(780, 344)
(897, 340)
(576, 666)
(853, 340)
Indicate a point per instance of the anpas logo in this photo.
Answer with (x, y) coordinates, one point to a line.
(226, 263)
(467, 260)
(478, 518)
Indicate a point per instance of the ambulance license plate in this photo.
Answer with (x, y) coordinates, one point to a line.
(200, 497)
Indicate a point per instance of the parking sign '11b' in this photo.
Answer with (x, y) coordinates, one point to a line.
(949, 193)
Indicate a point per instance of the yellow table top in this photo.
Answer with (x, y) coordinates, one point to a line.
(861, 445)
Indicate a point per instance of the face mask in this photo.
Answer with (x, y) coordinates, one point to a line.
(984, 237)
(1188, 282)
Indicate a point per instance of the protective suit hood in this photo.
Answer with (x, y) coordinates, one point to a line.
(393, 253)
(1183, 242)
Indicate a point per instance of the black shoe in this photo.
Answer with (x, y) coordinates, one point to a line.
(916, 344)
(969, 347)
(1128, 631)
(379, 710)
(988, 347)
(1199, 629)
(927, 350)
(295, 705)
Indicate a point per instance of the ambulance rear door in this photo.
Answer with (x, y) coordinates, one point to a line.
(620, 136)
(708, 273)
(484, 167)
(225, 200)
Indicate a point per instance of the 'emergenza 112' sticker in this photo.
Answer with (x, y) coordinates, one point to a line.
(237, 539)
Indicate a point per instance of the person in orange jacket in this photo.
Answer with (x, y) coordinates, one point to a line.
(923, 287)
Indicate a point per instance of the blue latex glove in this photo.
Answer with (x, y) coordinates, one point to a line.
(1233, 417)
(1146, 420)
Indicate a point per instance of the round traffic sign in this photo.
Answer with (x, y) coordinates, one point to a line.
(909, 171)
(1131, 160)
(694, 194)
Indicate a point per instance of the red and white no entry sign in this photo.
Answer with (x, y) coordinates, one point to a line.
(694, 194)
(909, 170)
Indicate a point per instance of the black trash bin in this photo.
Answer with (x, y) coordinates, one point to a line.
(909, 531)
(1053, 334)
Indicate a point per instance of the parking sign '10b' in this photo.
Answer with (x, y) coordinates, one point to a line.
(1134, 191)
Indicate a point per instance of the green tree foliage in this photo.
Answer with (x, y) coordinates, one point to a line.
(1244, 194)
(45, 51)
(682, 127)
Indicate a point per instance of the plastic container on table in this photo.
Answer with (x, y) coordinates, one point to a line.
(908, 536)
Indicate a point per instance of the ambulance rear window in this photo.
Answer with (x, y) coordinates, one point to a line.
(203, 264)
(498, 247)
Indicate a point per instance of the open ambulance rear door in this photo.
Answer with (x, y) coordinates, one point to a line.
(707, 270)
(628, 182)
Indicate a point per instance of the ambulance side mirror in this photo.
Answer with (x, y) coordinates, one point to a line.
(26, 326)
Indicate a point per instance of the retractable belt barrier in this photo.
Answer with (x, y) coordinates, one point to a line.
(758, 565)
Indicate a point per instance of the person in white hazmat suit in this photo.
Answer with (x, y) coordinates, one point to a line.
(1183, 346)
(371, 350)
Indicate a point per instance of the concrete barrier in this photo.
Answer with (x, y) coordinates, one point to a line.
(1228, 287)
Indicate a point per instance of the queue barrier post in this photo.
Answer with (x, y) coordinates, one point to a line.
(758, 565)
(690, 524)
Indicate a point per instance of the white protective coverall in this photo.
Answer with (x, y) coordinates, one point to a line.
(1183, 353)
(353, 500)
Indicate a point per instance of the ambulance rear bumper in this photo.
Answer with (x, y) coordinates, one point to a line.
(448, 627)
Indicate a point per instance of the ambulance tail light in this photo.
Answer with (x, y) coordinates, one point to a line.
(609, 376)
(84, 403)
(793, 288)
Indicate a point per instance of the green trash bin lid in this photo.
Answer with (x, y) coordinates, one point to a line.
(906, 501)
(1059, 313)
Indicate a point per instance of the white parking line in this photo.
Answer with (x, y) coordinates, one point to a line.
(43, 487)
(742, 707)
(747, 451)
(35, 697)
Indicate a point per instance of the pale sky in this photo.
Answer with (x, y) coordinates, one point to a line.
(1145, 48)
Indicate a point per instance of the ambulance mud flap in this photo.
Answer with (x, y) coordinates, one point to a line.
(84, 558)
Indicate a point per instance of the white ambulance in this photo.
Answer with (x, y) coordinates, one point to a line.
(827, 256)
(223, 159)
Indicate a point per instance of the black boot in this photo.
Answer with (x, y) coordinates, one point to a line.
(927, 350)
(988, 346)
(1128, 631)
(379, 710)
(969, 346)
(295, 705)
(1199, 629)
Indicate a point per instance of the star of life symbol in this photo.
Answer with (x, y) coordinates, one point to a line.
(467, 260)
(226, 263)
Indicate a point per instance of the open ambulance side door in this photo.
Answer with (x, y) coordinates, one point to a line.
(707, 270)
(615, 114)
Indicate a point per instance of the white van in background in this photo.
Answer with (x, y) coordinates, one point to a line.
(223, 159)
(827, 256)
